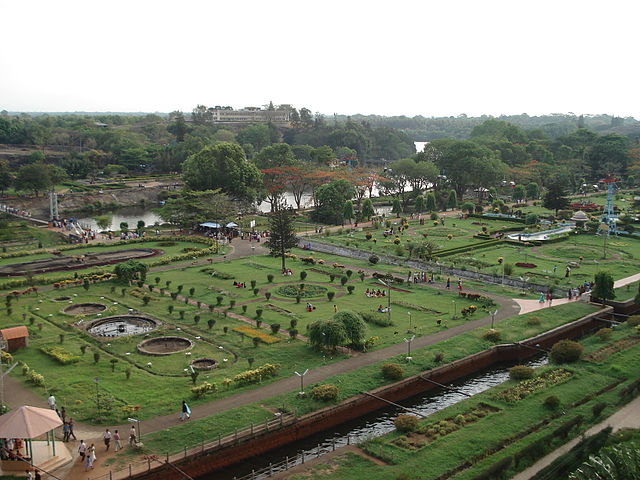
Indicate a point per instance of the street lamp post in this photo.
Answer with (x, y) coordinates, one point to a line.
(493, 317)
(97, 380)
(454, 310)
(410, 326)
(408, 341)
(388, 299)
(301, 375)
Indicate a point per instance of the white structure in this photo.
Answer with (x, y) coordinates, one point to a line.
(281, 115)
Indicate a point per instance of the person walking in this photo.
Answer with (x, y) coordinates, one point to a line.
(51, 401)
(116, 439)
(38, 476)
(82, 450)
(71, 434)
(132, 435)
(65, 432)
(448, 283)
(106, 437)
(186, 411)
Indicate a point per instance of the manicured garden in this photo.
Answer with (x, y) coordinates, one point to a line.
(499, 431)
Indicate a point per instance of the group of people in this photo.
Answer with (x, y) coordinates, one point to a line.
(239, 284)
(310, 307)
(87, 453)
(419, 277)
(287, 272)
(14, 211)
(373, 293)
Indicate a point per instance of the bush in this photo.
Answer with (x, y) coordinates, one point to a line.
(533, 321)
(520, 372)
(203, 388)
(254, 376)
(508, 269)
(566, 351)
(604, 334)
(373, 259)
(551, 402)
(598, 408)
(275, 328)
(633, 321)
(492, 335)
(60, 355)
(379, 319)
(392, 371)
(325, 393)
(406, 423)
(350, 289)
(438, 357)
(35, 378)
(330, 295)
(258, 312)
(270, 278)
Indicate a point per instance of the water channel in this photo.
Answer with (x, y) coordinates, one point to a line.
(372, 425)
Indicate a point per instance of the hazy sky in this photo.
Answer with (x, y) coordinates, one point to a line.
(430, 58)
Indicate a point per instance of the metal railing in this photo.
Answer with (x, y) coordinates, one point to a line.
(238, 436)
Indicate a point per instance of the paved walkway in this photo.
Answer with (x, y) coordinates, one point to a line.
(627, 417)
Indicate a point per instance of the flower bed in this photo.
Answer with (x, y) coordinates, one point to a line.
(528, 387)
(430, 432)
(255, 376)
(60, 355)
(615, 347)
(309, 291)
(253, 333)
(526, 265)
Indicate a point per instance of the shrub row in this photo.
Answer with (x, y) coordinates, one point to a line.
(203, 388)
(256, 375)
(60, 355)
(253, 333)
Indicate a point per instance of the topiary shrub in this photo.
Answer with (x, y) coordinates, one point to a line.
(551, 402)
(350, 289)
(406, 423)
(566, 351)
(325, 393)
(492, 335)
(392, 371)
(270, 278)
(604, 334)
(275, 328)
(330, 295)
(598, 408)
(520, 372)
(258, 312)
(373, 259)
(533, 321)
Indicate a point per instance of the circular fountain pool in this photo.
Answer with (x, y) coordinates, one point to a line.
(85, 308)
(204, 363)
(121, 325)
(164, 345)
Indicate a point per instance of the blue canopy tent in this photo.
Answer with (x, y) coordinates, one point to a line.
(210, 225)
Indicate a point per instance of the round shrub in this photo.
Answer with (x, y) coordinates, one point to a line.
(598, 408)
(520, 372)
(270, 278)
(533, 321)
(406, 423)
(566, 351)
(373, 259)
(325, 393)
(275, 328)
(492, 335)
(633, 321)
(604, 334)
(392, 371)
(551, 402)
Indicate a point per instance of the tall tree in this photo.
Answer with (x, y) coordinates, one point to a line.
(533, 191)
(518, 193)
(282, 236)
(603, 288)
(330, 200)
(367, 209)
(347, 212)
(555, 198)
(430, 202)
(276, 155)
(193, 207)
(223, 166)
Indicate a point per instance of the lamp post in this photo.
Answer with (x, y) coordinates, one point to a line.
(408, 341)
(97, 380)
(410, 326)
(493, 317)
(454, 310)
(388, 299)
(301, 375)
(132, 420)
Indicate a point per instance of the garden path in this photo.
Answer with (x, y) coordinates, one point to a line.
(627, 417)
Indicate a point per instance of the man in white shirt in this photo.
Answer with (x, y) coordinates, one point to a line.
(52, 402)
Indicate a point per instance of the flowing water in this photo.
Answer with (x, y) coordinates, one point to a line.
(372, 425)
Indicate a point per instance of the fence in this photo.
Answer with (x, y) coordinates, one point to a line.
(426, 266)
(221, 442)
